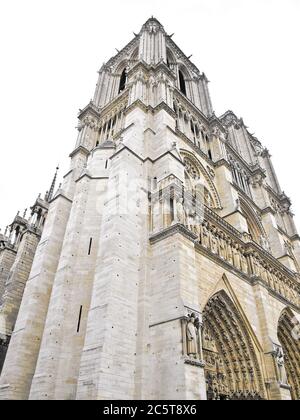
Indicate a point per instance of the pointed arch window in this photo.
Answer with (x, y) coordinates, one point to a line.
(182, 84)
(123, 81)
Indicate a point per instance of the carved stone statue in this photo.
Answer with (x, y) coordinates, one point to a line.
(237, 257)
(192, 337)
(222, 246)
(205, 235)
(180, 211)
(229, 252)
(214, 242)
(279, 358)
(238, 205)
(244, 264)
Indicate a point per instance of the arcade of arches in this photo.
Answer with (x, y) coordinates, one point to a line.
(231, 353)
(232, 370)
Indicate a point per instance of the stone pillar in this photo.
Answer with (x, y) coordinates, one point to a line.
(22, 354)
(17, 278)
(58, 363)
(108, 361)
(173, 291)
(7, 258)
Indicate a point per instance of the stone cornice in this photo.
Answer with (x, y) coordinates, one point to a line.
(60, 194)
(267, 210)
(295, 237)
(20, 221)
(161, 66)
(222, 162)
(8, 247)
(170, 231)
(41, 203)
(78, 150)
(148, 108)
(89, 109)
(193, 362)
(68, 173)
(86, 175)
(33, 230)
(169, 152)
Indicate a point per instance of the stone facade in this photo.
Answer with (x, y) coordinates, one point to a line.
(168, 265)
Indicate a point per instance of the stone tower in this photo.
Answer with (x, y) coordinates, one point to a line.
(168, 266)
(17, 250)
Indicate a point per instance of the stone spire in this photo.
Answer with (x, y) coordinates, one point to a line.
(49, 196)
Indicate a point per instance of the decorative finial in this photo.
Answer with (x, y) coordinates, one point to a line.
(25, 212)
(51, 191)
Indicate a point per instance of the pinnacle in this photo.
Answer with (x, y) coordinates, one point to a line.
(153, 20)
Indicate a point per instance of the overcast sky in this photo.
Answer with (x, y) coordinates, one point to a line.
(51, 52)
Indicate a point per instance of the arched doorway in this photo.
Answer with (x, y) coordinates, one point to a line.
(289, 338)
(232, 371)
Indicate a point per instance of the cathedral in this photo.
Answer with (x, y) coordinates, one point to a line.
(166, 265)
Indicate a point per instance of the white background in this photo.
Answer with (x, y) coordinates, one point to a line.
(51, 51)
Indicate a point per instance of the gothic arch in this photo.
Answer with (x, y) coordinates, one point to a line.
(255, 226)
(195, 170)
(183, 77)
(135, 54)
(232, 369)
(171, 59)
(289, 338)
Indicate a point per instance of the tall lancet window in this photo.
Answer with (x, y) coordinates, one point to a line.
(123, 81)
(182, 84)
